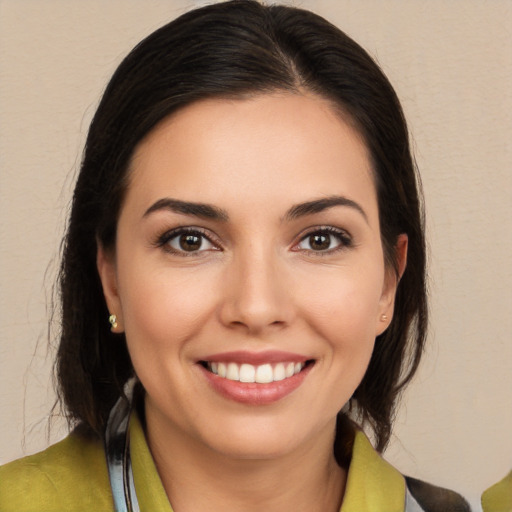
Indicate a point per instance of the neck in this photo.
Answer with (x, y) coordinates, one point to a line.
(197, 478)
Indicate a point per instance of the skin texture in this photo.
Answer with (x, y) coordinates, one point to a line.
(256, 285)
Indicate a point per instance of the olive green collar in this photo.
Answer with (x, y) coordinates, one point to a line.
(150, 490)
(372, 483)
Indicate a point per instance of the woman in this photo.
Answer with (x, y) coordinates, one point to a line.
(243, 279)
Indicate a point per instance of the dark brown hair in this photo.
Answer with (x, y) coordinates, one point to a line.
(235, 49)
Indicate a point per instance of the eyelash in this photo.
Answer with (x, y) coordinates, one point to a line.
(164, 239)
(345, 240)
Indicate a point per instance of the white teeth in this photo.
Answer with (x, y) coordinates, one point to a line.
(233, 373)
(262, 374)
(279, 372)
(247, 373)
(221, 370)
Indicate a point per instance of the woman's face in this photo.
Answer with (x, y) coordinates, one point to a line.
(249, 275)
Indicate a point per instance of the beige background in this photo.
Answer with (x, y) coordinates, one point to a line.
(451, 63)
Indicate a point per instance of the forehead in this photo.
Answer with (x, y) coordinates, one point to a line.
(277, 148)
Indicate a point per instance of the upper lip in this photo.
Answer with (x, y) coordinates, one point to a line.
(256, 358)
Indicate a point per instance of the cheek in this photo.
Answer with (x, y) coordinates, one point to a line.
(344, 300)
(165, 307)
(342, 307)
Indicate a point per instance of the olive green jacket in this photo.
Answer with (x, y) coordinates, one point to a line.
(72, 476)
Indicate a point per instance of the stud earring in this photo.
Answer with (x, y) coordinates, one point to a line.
(113, 322)
(383, 318)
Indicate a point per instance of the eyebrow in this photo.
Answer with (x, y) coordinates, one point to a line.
(208, 211)
(319, 205)
(205, 211)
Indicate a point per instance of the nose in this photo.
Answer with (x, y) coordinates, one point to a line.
(257, 295)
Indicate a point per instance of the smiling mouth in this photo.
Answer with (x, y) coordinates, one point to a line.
(259, 374)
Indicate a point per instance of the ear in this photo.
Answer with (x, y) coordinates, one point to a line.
(391, 280)
(106, 264)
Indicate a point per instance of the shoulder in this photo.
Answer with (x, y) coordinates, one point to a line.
(372, 480)
(498, 497)
(70, 475)
(425, 497)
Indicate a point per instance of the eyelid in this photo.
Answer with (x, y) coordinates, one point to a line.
(162, 240)
(346, 240)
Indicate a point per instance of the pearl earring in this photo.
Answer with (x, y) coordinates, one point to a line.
(113, 322)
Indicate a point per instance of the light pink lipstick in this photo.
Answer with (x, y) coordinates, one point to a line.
(255, 378)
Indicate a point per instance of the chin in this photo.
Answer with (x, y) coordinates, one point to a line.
(264, 440)
(254, 448)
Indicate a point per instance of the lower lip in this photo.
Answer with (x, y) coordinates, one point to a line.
(256, 394)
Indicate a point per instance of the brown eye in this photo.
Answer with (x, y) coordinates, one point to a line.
(187, 242)
(190, 242)
(320, 242)
(325, 240)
